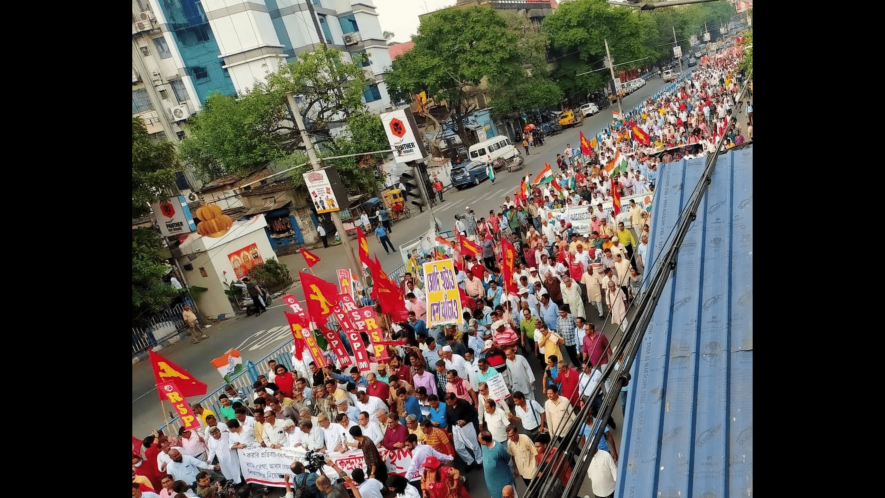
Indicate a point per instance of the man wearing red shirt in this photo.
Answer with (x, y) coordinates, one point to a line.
(377, 388)
(569, 379)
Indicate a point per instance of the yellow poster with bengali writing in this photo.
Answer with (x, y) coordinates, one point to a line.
(441, 289)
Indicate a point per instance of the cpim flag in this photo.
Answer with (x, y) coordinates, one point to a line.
(616, 198)
(319, 295)
(508, 262)
(640, 135)
(364, 246)
(468, 246)
(546, 175)
(310, 257)
(585, 145)
(165, 370)
(302, 333)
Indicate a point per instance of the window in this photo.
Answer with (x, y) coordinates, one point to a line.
(179, 90)
(200, 72)
(194, 35)
(162, 48)
(372, 93)
(327, 33)
(164, 94)
(493, 147)
(478, 152)
(145, 51)
(502, 144)
(141, 102)
(348, 24)
(362, 57)
(316, 2)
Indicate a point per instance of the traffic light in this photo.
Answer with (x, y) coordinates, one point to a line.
(411, 184)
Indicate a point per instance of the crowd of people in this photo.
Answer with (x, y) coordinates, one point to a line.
(432, 396)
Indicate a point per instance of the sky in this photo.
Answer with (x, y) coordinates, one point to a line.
(401, 16)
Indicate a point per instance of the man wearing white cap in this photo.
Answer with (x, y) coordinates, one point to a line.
(454, 361)
(533, 276)
(592, 281)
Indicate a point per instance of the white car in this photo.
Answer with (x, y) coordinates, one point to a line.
(589, 109)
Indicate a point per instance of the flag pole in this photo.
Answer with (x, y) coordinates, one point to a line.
(163, 409)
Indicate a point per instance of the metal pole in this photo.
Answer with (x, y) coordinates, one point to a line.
(611, 66)
(315, 164)
(422, 186)
(316, 24)
(677, 44)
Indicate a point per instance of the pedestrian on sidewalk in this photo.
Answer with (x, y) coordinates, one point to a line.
(525, 145)
(193, 324)
(381, 233)
(322, 232)
(255, 293)
(438, 186)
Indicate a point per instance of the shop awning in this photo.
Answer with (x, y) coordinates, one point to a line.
(270, 205)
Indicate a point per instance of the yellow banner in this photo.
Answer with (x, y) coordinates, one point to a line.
(443, 298)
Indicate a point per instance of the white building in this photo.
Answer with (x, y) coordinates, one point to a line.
(229, 45)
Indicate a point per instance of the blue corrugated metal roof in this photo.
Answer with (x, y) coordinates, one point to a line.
(689, 422)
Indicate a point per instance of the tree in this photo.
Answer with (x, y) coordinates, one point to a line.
(454, 50)
(233, 135)
(153, 178)
(580, 29)
(530, 88)
(388, 36)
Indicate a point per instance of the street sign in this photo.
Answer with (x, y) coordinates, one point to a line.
(677, 51)
(706, 37)
(694, 40)
(617, 83)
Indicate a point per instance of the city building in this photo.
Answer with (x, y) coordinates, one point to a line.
(227, 46)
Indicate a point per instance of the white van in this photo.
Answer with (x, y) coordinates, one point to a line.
(495, 147)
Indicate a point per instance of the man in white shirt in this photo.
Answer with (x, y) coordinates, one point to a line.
(364, 221)
(369, 488)
(454, 361)
(495, 421)
(545, 266)
(312, 438)
(294, 436)
(588, 380)
(273, 434)
(370, 428)
(333, 434)
(642, 251)
(603, 473)
(369, 404)
(229, 460)
(241, 436)
(420, 453)
(185, 468)
(211, 422)
(272, 373)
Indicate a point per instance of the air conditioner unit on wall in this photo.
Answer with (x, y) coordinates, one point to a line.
(179, 113)
(146, 16)
(139, 26)
(352, 38)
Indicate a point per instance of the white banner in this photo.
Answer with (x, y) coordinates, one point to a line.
(580, 218)
(267, 466)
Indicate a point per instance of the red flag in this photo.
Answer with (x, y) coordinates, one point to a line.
(292, 302)
(335, 345)
(320, 296)
(165, 370)
(170, 390)
(136, 446)
(585, 145)
(468, 246)
(391, 300)
(640, 135)
(508, 260)
(364, 248)
(310, 257)
(467, 302)
(303, 333)
(616, 198)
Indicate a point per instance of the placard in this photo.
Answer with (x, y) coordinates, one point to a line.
(402, 135)
(345, 281)
(174, 216)
(376, 334)
(498, 388)
(441, 292)
(321, 191)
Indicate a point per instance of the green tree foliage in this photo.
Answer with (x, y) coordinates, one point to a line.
(153, 178)
(530, 87)
(747, 63)
(578, 31)
(365, 133)
(454, 50)
(233, 135)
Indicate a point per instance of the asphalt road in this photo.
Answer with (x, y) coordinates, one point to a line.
(255, 337)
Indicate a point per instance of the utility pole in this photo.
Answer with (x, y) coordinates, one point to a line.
(152, 93)
(315, 164)
(316, 26)
(611, 66)
(674, 53)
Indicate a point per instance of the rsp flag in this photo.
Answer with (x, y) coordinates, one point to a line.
(443, 299)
